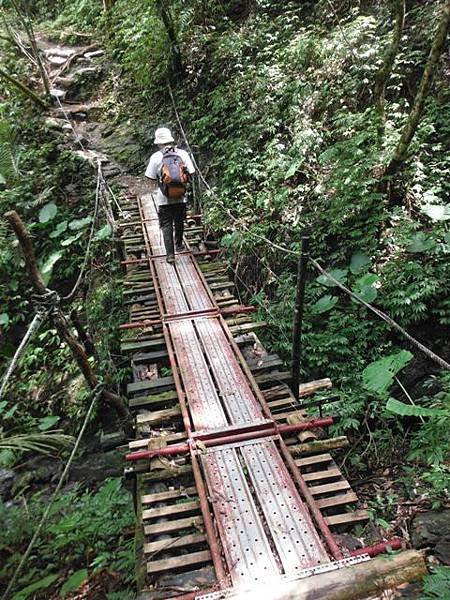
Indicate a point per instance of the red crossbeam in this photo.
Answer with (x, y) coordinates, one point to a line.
(394, 544)
(137, 261)
(229, 310)
(232, 438)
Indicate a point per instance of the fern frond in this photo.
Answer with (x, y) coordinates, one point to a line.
(43, 443)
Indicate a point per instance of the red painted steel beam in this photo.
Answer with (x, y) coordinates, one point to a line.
(231, 439)
(210, 531)
(308, 497)
(394, 544)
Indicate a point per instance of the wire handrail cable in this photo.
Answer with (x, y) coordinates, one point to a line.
(36, 322)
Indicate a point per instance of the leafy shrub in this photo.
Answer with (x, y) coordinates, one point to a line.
(91, 530)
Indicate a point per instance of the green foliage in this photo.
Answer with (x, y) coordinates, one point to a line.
(41, 584)
(379, 375)
(74, 582)
(436, 585)
(86, 532)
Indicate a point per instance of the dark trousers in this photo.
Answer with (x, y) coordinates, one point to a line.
(171, 217)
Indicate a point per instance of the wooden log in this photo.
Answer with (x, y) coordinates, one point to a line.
(306, 389)
(357, 581)
(320, 446)
(298, 417)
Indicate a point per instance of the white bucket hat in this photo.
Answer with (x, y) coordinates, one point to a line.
(163, 136)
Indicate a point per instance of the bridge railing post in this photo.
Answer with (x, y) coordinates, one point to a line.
(302, 266)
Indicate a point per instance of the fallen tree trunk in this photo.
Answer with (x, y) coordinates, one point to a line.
(320, 446)
(355, 582)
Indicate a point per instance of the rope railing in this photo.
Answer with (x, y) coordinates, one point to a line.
(36, 322)
(386, 318)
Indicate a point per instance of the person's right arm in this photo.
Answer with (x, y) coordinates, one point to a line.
(152, 171)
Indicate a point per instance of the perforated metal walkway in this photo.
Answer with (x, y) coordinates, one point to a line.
(265, 527)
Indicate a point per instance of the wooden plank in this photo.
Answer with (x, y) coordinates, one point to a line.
(176, 542)
(169, 495)
(158, 416)
(166, 526)
(142, 345)
(329, 488)
(170, 437)
(319, 445)
(312, 460)
(273, 376)
(317, 476)
(337, 500)
(252, 326)
(173, 509)
(163, 474)
(152, 399)
(150, 384)
(144, 357)
(282, 403)
(351, 517)
(177, 562)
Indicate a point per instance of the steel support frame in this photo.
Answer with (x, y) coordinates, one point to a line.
(199, 479)
(206, 514)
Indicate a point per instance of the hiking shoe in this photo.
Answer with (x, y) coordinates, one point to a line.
(179, 247)
(170, 259)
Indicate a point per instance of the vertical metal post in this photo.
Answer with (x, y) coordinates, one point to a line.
(298, 317)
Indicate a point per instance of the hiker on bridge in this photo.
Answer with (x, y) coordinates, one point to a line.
(170, 167)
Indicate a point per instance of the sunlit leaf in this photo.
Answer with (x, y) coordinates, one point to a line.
(47, 212)
(79, 223)
(4, 318)
(60, 228)
(324, 304)
(410, 410)
(339, 274)
(437, 212)
(46, 423)
(359, 262)
(71, 239)
(41, 584)
(420, 243)
(379, 375)
(103, 233)
(74, 582)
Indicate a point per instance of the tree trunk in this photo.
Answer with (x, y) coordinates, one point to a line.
(357, 581)
(166, 18)
(61, 323)
(415, 115)
(23, 88)
(382, 77)
(28, 26)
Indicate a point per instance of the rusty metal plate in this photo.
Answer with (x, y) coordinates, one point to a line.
(291, 527)
(171, 288)
(239, 401)
(203, 400)
(196, 294)
(247, 550)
